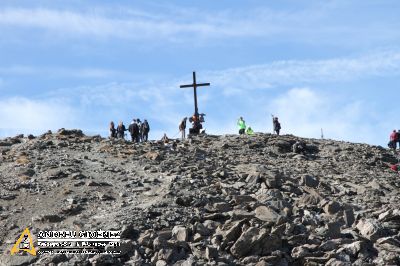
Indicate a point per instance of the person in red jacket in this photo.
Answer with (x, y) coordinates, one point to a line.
(393, 140)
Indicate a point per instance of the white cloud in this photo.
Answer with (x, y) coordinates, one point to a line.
(304, 111)
(244, 79)
(90, 73)
(35, 116)
(176, 24)
(231, 82)
(131, 25)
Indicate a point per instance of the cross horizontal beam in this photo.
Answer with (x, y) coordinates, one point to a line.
(197, 85)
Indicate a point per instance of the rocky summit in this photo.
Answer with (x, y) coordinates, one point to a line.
(207, 200)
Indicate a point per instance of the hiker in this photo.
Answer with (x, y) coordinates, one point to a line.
(249, 131)
(134, 130)
(165, 139)
(242, 125)
(112, 130)
(145, 129)
(393, 140)
(277, 125)
(131, 130)
(121, 130)
(182, 128)
(196, 125)
(139, 124)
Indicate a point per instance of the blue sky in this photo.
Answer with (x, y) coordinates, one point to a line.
(315, 64)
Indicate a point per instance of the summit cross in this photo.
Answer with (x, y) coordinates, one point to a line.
(195, 85)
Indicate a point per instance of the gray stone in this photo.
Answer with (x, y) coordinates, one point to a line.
(211, 253)
(180, 233)
(161, 263)
(245, 243)
(390, 215)
(267, 214)
(354, 248)
(370, 229)
(303, 251)
(240, 199)
(309, 181)
(230, 233)
(332, 207)
(348, 216)
(222, 207)
(333, 229)
(201, 229)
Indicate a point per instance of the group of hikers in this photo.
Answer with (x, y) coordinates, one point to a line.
(249, 131)
(138, 130)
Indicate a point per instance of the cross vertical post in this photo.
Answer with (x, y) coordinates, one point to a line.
(196, 110)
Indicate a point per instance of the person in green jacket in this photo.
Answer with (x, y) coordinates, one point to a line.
(242, 125)
(249, 131)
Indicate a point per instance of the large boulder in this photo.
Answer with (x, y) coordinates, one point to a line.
(255, 241)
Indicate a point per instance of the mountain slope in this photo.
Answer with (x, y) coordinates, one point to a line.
(242, 200)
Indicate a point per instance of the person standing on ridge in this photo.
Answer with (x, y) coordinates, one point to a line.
(241, 125)
(139, 124)
(182, 128)
(112, 130)
(132, 130)
(393, 140)
(121, 130)
(145, 129)
(277, 125)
